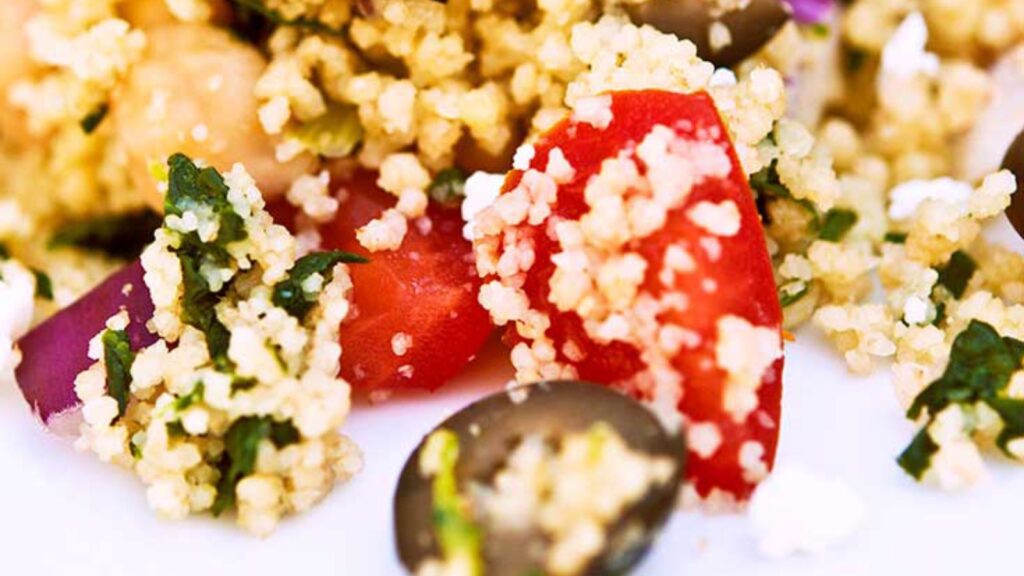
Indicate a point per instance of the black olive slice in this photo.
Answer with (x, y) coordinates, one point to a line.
(750, 27)
(490, 429)
(1014, 162)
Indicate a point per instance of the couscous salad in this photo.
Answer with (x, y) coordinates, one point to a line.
(228, 225)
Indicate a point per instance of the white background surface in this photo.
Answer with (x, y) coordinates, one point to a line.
(64, 513)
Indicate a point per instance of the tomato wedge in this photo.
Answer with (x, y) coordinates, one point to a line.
(416, 320)
(631, 253)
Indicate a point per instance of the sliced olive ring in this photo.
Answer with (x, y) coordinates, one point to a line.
(490, 429)
(750, 27)
(1014, 162)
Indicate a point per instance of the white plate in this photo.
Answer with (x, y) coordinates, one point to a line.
(63, 512)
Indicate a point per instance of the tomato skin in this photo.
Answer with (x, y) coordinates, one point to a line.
(425, 290)
(742, 277)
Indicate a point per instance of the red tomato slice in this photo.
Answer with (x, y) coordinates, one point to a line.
(729, 275)
(424, 293)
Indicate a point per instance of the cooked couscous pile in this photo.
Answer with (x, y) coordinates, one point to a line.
(872, 140)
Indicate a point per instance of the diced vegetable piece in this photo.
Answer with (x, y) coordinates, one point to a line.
(718, 301)
(54, 353)
(417, 322)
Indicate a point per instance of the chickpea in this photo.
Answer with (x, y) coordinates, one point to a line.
(192, 92)
(15, 62)
(152, 13)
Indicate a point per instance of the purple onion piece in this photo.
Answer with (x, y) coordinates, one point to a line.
(811, 11)
(55, 352)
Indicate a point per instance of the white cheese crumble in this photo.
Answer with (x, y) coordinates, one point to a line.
(722, 219)
(523, 156)
(482, 189)
(595, 110)
(905, 198)
(905, 55)
(745, 352)
(17, 290)
(915, 310)
(795, 511)
(723, 77)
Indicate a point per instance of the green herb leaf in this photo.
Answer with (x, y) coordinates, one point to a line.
(289, 295)
(202, 192)
(44, 286)
(199, 308)
(838, 221)
(957, 273)
(192, 398)
(940, 313)
(5, 253)
(788, 298)
(820, 30)
(855, 60)
(121, 236)
(118, 358)
(768, 186)
(241, 447)
(334, 134)
(94, 118)
(917, 457)
(268, 15)
(980, 365)
(896, 237)
(1011, 411)
(449, 186)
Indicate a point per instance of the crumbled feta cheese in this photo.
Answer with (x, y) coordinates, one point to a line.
(523, 157)
(722, 77)
(722, 219)
(795, 511)
(905, 55)
(595, 110)
(481, 189)
(905, 198)
(745, 352)
(915, 311)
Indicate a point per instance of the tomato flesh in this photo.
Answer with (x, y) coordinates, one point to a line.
(423, 293)
(732, 278)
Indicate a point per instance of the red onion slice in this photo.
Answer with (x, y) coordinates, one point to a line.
(55, 352)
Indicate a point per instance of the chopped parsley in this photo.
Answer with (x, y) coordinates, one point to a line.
(895, 237)
(118, 359)
(203, 192)
(1011, 412)
(790, 297)
(820, 30)
(917, 458)
(192, 398)
(44, 286)
(334, 134)
(981, 364)
(837, 222)
(449, 186)
(957, 273)
(93, 119)
(241, 447)
(855, 60)
(257, 20)
(121, 236)
(289, 293)
(769, 187)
